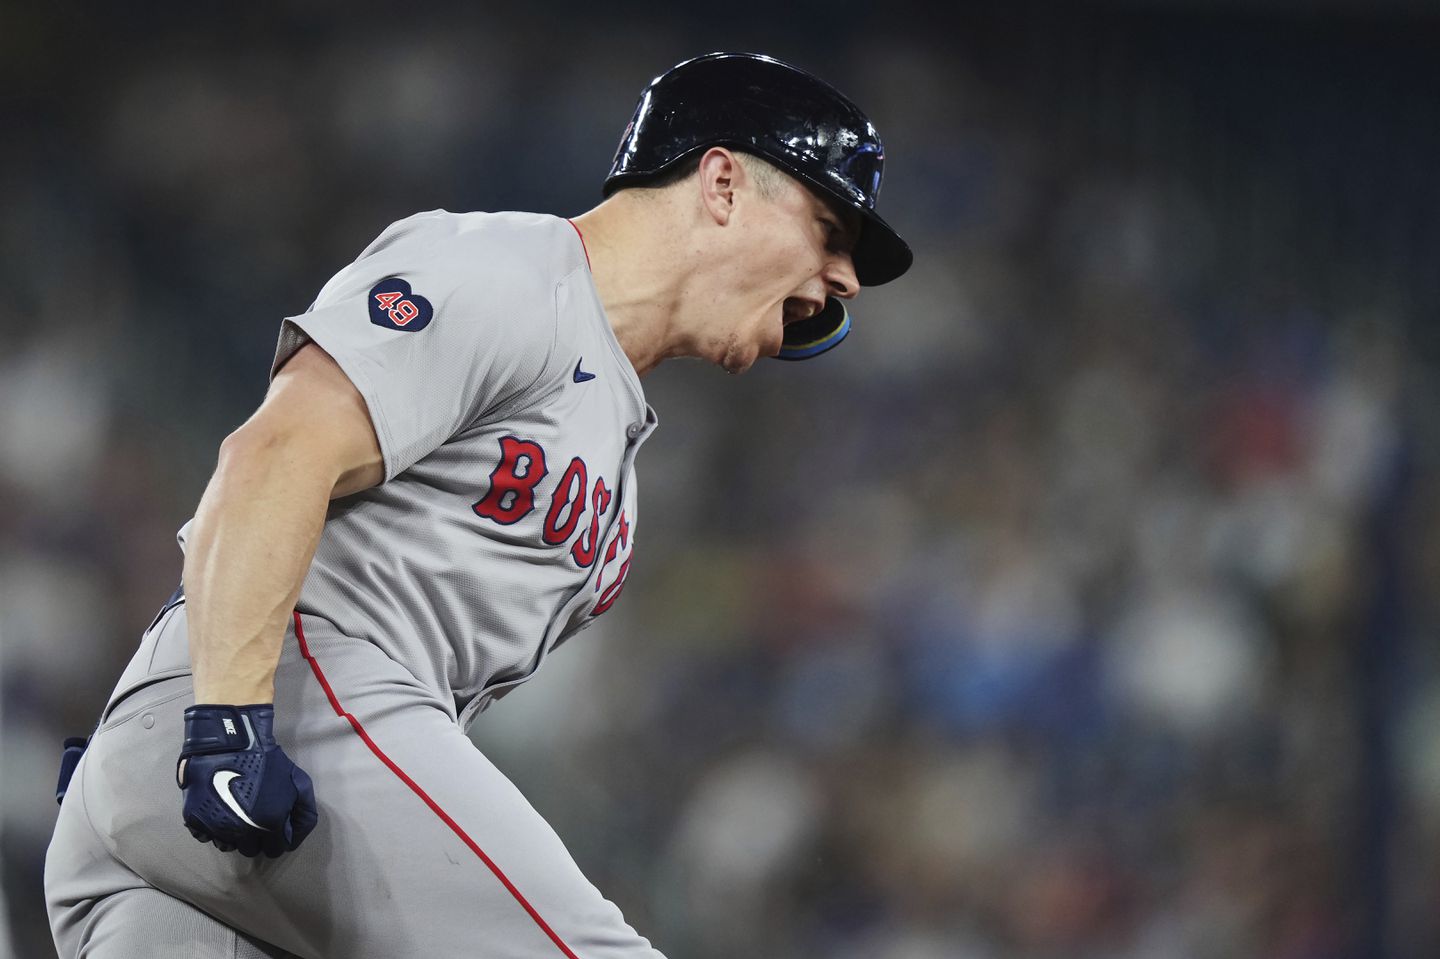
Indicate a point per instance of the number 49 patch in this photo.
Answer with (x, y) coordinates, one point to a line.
(394, 306)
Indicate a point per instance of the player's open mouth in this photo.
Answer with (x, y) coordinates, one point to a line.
(797, 308)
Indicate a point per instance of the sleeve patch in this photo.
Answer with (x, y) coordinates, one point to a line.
(394, 306)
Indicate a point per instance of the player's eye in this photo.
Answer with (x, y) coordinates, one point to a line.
(836, 239)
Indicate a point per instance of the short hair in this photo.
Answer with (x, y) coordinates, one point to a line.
(765, 174)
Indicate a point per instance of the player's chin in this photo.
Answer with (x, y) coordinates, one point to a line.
(738, 361)
(741, 355)
(746, 347)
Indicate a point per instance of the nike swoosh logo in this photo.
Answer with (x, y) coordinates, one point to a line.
(223, 779)
(580, 375)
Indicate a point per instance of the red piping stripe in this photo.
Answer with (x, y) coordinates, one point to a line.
(424, 796)
(582, 241)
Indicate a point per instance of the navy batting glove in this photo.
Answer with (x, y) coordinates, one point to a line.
(241, 791)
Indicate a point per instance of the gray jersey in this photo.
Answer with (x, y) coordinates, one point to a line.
(508, 417)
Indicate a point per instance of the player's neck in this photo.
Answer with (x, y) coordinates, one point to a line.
(636, 256)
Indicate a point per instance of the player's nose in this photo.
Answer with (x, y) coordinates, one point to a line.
(839, 276)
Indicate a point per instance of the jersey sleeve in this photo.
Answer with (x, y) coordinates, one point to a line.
(431, 335)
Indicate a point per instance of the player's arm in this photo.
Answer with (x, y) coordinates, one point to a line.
(252, 541)
(258, 524)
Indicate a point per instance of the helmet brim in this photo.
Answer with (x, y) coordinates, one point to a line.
(880, 254)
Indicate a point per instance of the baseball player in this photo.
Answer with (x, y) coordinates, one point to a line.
(436, 493)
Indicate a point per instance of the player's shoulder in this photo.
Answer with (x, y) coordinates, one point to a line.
(469, 270)
(500, 250)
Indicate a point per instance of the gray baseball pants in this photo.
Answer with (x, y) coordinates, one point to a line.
(423, 847)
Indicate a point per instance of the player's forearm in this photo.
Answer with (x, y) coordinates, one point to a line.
(252, 541)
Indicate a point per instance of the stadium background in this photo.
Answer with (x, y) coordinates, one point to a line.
(1081, 605)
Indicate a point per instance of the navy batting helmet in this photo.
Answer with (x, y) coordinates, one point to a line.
(797, 121)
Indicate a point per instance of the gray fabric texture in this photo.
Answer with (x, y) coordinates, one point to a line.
(509, 419)
(471, 605)
(382, 876)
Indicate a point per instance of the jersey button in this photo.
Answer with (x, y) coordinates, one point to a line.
(635, 431)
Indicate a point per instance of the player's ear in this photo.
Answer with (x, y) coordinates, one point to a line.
(718, 174)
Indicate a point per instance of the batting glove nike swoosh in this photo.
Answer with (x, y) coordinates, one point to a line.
(241, 791)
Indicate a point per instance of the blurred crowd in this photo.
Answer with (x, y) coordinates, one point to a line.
(1077, 606)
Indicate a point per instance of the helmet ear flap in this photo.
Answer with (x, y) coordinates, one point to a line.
(816, 334)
